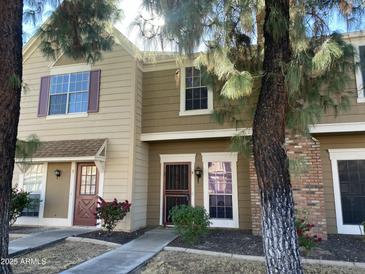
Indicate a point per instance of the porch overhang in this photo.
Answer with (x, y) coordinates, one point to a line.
(88, 150)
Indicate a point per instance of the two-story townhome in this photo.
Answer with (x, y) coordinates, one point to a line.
(143, 131)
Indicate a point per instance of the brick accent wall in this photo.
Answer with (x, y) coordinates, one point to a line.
(307, 184)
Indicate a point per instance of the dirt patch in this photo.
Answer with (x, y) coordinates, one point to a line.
(337, 247)
(118, 237)
(57, 258)
(171, 262)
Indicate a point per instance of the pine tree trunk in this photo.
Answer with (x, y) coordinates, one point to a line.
(271, 162)
(11, 13)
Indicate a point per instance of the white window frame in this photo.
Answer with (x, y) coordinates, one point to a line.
(67, 69)
(335, 156)
(35, 219)
(358, 74)
(68, 94)
(177, 158)
(224, 157)
(183, 111)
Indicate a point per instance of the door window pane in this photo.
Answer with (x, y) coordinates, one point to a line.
(88, 180)
(220, 190)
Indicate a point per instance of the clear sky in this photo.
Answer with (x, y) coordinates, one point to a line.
(130, 9)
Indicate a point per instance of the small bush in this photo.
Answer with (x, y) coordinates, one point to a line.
(190, 222)
(306, 238)
(111, 212)
(20, 200)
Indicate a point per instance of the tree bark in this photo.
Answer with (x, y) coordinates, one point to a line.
(11, 13)
(271, 162)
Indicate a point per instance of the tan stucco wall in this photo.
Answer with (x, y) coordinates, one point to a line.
(197, 147)
(57, 191)
(334, 142)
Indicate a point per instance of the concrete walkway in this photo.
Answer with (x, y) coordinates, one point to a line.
(129, 256)
(43, 238)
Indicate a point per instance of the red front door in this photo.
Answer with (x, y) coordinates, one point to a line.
(86, 194)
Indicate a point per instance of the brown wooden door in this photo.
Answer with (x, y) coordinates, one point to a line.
(177, 181)
(86, 194)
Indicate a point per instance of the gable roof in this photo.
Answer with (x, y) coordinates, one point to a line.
(120, 39)
(70, 148)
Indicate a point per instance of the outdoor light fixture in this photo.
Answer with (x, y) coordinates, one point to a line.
(198, 172)
(57, 173)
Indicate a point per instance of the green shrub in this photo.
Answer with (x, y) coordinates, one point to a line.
(20, 200)
(111, 212)
(190, 222)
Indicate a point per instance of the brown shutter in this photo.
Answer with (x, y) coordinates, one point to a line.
(94, 91)
(44, 96)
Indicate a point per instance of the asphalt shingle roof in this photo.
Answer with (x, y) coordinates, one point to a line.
(69, 148)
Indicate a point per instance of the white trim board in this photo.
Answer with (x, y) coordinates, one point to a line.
(230, 132)
(338, 127)
(226, 157)
(195, 134)
(176, 158)
(66, 69)
(358, 73)
(343, 154)
(66, 159)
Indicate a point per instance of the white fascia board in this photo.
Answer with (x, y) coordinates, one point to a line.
(195, 134)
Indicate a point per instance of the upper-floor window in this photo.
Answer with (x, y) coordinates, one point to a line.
(195, 95)
(360, 73)
(69, 93)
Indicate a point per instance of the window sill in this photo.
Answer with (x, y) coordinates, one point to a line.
(360, 100)
(195, 112)
(67, 116)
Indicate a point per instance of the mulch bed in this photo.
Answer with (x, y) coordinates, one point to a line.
(118, 237)
(337, 247)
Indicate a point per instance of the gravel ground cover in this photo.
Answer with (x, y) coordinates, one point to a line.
(56, 258)
(337, 247)
(118, 237)
(172, 262)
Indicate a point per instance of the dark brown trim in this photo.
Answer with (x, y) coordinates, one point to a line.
(175, 193)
